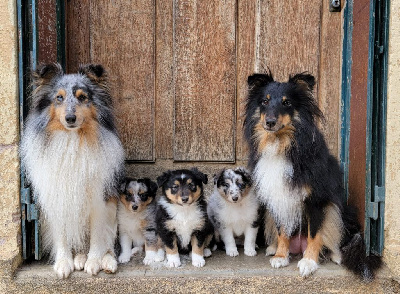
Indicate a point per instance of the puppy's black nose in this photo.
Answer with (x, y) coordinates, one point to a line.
(70, 118)
(134, 207)
(235, 198)
(185, 200)
(270, 123)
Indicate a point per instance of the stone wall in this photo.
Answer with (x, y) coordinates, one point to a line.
(392, 205)
(9, 135)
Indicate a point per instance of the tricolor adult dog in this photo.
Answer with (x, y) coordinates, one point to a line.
(74, 160)
(296, 177)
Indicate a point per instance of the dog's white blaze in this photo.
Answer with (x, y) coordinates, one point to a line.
(185, 219)
(70, 179)
(272, 175)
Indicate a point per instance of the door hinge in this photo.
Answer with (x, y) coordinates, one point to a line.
(373, 206)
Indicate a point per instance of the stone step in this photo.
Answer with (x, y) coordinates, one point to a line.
(221, 274)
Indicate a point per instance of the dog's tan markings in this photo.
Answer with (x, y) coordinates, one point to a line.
(126, 203)
(61, 92)
(142, 205)
(172, 197)
(173, 250)
(283, 246)
(148, 247)
(268, 96)
(55, 114)
(284, 98)
(195, 195)
(177, 183)
(264, 138)
(189, 181)
(143, 224)
(195, 246)
(89, 129)
(113, 199)
(314, 246)
(81, 95)
(331, 229)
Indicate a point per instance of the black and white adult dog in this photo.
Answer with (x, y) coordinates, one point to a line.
(182, 221)
(296, 177)
(74, 159)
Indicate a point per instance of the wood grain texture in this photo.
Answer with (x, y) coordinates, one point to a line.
(78, 33)
(330, 76)
(246, 65)
(164, 118)
(122, 39)
(47, 31)
(205, 80)
(288, 40)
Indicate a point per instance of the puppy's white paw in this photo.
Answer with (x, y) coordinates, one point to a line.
(336, 258)
(198, 260)
(271, 250)
(207, 252)
(124, 258)
(173, 260)
(93, 266)
(79, 261)
(109, 264)
(307, 266)
(136, 250)
(160, 255)
(277, 262)
(232, 252)
(250, 252)
(151, 256)
(64, 267)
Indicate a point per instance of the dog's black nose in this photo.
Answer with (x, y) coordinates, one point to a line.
(235, 198)
(134, 207)
(185, 200)
(270, 123)
(70, 118)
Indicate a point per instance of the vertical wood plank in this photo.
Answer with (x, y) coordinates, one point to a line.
(246, 65)
(329, 76)
(122, 39)
(77, 33)
(289, 37)
(164, 118)
(205, 80)
(47, 31)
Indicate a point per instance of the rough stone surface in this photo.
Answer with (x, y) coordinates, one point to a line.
(392, 201)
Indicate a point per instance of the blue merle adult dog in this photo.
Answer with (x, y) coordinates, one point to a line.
(297, 178)
(74, 159)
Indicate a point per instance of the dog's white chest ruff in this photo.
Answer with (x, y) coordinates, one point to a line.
(272, 176)
(185, 220)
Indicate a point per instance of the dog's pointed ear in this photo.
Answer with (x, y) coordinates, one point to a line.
(45, 73)
(200, 175)
(152, 186)
(163, 178)
(245, 174)
(260, 79)
(218, 176)
(95, 72)
(304, 80)
(122, 186)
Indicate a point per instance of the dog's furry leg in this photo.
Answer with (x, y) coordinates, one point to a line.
(103, 228)
(229, 241)
(64, 263)
(250, 236)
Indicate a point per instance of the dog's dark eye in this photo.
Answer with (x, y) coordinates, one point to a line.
(128, 197)
(60, 98)
(286, 103)
(265, 102)
(143, 196)
(192, 187)
(82, 98)
(241, 186)
(226, 185)
(174, 189)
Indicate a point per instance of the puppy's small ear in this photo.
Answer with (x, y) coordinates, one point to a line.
(95, 72)
(304, 80)
(122, 186)
(200, 175)
(245, 174)
(260, 79)
(217, 177)
(151, 185)
(163, 178)
(45, 73)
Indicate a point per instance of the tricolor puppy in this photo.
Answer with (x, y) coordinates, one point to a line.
(137, 220)
(74, 160)
(234, 210)
(297, 178)
(182, 221)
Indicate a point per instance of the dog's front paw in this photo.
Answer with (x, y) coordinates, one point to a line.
(160, 255)
(250, 252)
(232, 252)
(207, 252)
(271, 250)
(136, 250)
(277, 262)
(151, 256)
(198, 260)
(124, 258)
(64, 267)
(307, 266)
(109, 264)
(93, 266)
(173, 260)
(79, 261)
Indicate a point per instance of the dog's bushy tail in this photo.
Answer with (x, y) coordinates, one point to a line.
(353, 248)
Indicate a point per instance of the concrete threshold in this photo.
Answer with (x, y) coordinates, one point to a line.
(221, 274)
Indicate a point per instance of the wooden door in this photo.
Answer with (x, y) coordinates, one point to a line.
(179, 69)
